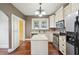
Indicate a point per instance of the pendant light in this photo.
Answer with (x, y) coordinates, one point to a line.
(40, 12)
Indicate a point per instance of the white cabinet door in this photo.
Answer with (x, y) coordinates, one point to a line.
(67, 10)
(59, 14)
(39, 47)
(75, 7)
(52, 21)
(62, 44)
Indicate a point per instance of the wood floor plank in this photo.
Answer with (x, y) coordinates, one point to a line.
(25, 49)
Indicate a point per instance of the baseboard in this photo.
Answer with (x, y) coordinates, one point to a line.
(60, 53)
(12, 49)
(50, 42)
(23, 40)
(3, 48)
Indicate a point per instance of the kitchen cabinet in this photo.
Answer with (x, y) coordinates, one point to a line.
(59, 14)
(39, 45)
(62, 44)
(75, 7)
(40, 23)
(52, 21)
(49, 35)
(71, 8)
(67, 10)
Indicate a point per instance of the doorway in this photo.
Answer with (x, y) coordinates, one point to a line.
(4, 33)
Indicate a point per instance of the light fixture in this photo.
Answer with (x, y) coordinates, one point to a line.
(40, 15)
(43, 13)
(37, 13)
(40, 12)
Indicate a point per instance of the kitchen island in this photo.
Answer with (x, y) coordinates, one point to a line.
(39, 45)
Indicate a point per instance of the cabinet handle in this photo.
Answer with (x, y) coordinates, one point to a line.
(63, 39)
(62, 44)
(62, 51)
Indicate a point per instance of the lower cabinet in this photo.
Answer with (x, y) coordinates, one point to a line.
(39, 47)
(62, 44)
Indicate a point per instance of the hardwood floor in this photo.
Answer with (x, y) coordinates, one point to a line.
(52, 50)
(25, 49)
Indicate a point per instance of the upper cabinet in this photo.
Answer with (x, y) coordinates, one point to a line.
(52, 21)
(59, 14)
(67, 10)
(75, 7)
(70, 8)
(40, 23)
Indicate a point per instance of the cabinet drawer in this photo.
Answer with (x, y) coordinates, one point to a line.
(62, 45)
(62, 39)
(63, 50)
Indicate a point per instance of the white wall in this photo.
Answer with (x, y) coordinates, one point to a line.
(4, 31)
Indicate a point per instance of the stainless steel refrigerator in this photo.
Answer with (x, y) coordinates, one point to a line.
(76, 36)
(72, 26)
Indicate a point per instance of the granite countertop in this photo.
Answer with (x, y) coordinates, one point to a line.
(39, 37)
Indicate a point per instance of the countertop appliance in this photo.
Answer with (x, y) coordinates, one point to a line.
(72, 25)
(61, 26)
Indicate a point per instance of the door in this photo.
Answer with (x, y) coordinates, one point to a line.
(4, 30)
(23, 30)
(15, 31)
(20, 31)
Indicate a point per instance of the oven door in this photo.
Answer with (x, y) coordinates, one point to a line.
(56, 41)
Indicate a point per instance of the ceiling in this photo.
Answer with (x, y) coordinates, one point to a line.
(28, 9)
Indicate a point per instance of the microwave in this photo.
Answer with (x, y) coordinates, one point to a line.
(60, 24)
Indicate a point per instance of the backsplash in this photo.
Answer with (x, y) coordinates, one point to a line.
(39, 31)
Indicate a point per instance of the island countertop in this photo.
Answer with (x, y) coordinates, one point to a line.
(39, 37)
